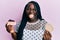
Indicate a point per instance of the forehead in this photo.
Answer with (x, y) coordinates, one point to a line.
(30, 5)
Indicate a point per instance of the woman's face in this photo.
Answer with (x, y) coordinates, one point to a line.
(31, 11)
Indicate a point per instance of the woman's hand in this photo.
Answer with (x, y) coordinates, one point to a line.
(10, 29)
(9, 26)
(47, 35)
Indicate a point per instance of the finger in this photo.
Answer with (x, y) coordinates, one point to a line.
(47, 35)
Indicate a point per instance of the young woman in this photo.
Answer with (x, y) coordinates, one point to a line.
(32, 26)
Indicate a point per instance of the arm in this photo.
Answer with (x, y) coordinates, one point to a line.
(13, 33)
(14, 36)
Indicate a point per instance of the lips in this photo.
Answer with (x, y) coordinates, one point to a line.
(31, 16)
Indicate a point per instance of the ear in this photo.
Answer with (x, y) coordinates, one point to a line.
(48, 27)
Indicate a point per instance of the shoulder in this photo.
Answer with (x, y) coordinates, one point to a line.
(44, 22)
(48, 26)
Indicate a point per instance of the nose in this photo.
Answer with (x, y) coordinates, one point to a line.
(31, 11)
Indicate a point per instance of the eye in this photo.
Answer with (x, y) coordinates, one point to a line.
(34, 9)
(27, 9)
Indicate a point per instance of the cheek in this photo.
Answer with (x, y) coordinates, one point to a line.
(27, 12)
(35, 13)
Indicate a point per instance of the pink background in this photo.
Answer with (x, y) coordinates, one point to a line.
(13, 9)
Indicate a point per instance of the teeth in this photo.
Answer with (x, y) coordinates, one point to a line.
(31, 16)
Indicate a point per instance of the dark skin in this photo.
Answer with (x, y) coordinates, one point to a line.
(30, 10)
(9, 28)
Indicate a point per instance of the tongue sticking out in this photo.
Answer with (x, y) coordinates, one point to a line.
(31, 16)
